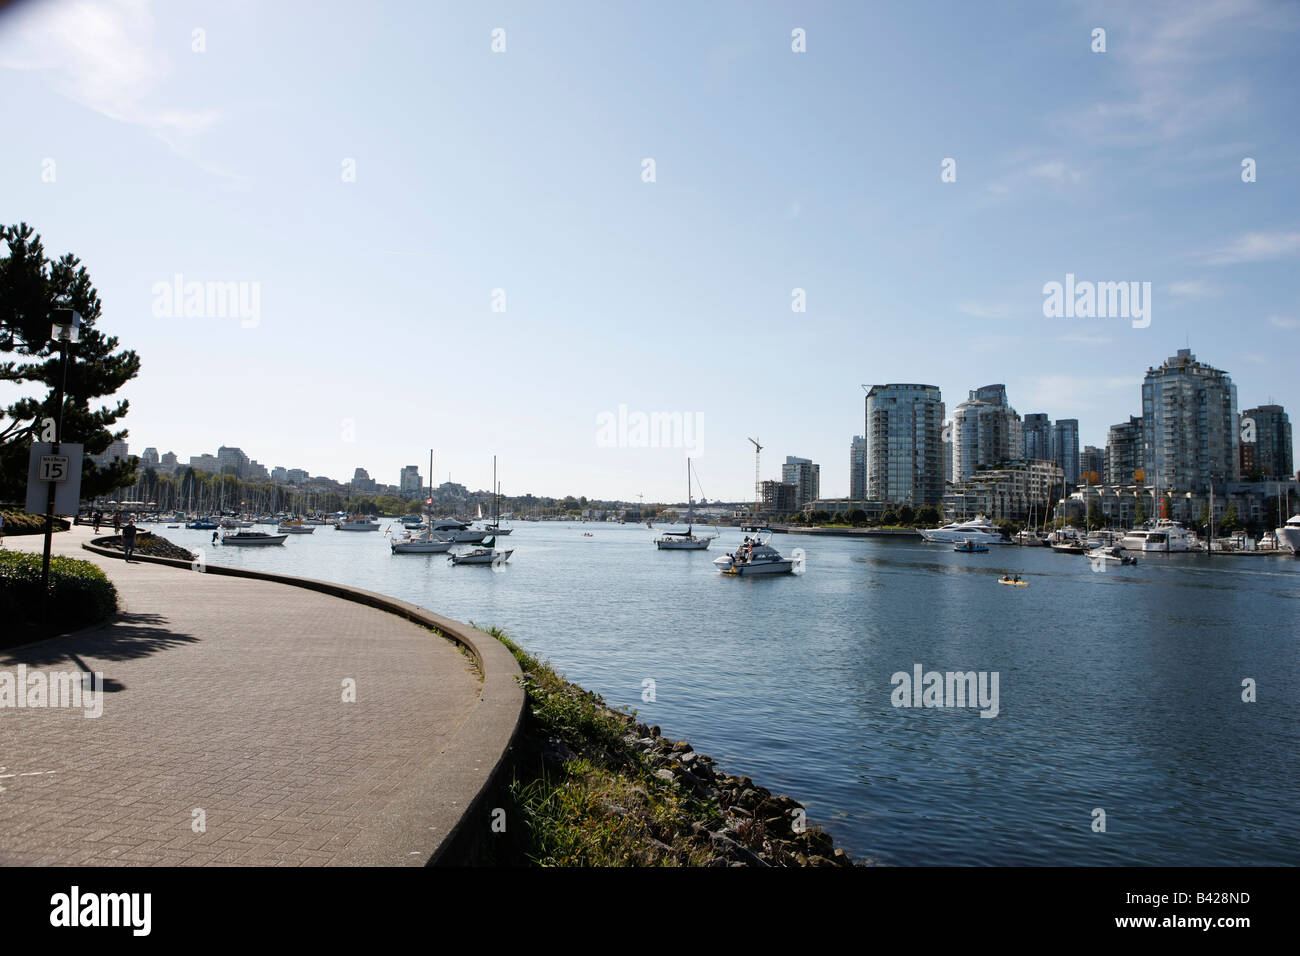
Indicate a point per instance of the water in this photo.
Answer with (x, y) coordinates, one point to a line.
(1118, 690)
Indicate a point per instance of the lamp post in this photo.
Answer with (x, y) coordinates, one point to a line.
(66, 330)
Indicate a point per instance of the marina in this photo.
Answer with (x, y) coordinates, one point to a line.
(786, 677)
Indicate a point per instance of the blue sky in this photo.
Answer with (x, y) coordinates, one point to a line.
(522, 171)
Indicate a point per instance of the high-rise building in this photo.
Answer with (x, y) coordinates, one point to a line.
(986, 430)
(410, 483)
(280, 474)
(361, 480)
(231, 461)
(150, 458)
(858, 468)
(780, 497)
(1092, 463)
(1189, 424)
(1038, 437)
(116, 450)
(170, 461)
(1065, 445)
(1271, 449)
(904, 444)
(805, 476)
(1124, 452)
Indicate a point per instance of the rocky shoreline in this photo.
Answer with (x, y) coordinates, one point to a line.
(148, 543)
(757, 828)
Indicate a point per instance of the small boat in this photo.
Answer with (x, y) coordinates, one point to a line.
(755, 556)
(357, 523)
(484, 555)
(970, 546)
(254, 538)
(423, 542)
(686, 540)
(1013, 582)
(295, 527)
(1112, 555)
(202, 524)
(588, 534)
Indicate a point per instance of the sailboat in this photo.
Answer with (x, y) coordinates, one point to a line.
(426, 541)
(495, 527)
(488, 554)
(685, 540)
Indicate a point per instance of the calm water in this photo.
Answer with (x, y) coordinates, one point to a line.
(1118, 690)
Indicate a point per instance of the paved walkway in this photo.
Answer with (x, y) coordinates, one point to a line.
(225, 696)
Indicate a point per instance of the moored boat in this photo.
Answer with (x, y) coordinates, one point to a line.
(253, 538)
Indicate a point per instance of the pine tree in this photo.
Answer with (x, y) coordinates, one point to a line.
(31, 286)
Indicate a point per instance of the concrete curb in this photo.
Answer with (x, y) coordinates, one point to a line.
(474, 758)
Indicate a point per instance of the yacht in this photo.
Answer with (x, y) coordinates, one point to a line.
(359, 523)
(253, 538)
(1164, 535)
(1103, 555)
(686, 540)
(1289, 535)
(488, 554)
(978, 529)
(756, 556)
(422, 542)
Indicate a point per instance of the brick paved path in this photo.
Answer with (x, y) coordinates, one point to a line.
(225, 695)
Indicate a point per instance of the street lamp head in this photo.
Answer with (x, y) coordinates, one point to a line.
(67, 325)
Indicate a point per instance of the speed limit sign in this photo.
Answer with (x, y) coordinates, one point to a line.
(54, 468)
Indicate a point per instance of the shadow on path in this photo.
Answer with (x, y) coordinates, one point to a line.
(126, 637)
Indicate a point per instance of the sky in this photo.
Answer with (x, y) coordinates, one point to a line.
(444, 245)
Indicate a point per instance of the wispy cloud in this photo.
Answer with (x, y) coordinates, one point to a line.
(1166, 50)
(1055, 171)
(103, 55)
(1071, 393)
(1283, 322)
(985, 310)
(1191, 289)
(1256, 247)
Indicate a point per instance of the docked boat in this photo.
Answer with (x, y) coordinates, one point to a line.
(1288, 535)
(253, 538)
(1030, 539)
(755, 556)
(1166, 536)
(488, 554)
(686, 540)
(978, 529)
(202, 524)
(1068, 541)
(970, 547)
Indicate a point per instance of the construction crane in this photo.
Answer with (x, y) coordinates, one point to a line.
(758, 482)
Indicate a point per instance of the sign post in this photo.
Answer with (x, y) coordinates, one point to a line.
(52, 468)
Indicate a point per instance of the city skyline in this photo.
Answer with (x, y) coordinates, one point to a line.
(422, 251)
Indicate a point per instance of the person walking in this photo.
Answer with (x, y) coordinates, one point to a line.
(117, 521)
(99, 516)
(128, 539)
(2, 529)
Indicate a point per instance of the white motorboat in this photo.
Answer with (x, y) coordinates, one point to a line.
(357, 523)
(755, 556)
(686, 540)
(485, 555)
(1110, 555)
(253, 538)
(1164, 536)
(295, 527)
(978, 529)
(1288, 535)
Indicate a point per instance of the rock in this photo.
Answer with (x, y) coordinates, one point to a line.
(689, 758)
(642, 730)
(645, 743)
(654, 731)
(746, 783)
(840, 858)
(666, 776)
(681, 747)
(735, 851)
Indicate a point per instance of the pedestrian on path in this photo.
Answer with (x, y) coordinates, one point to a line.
(128, 539)
(99, 516)
(117, 521)
(2, 530)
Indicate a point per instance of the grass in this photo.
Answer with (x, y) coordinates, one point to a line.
(580, 794)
